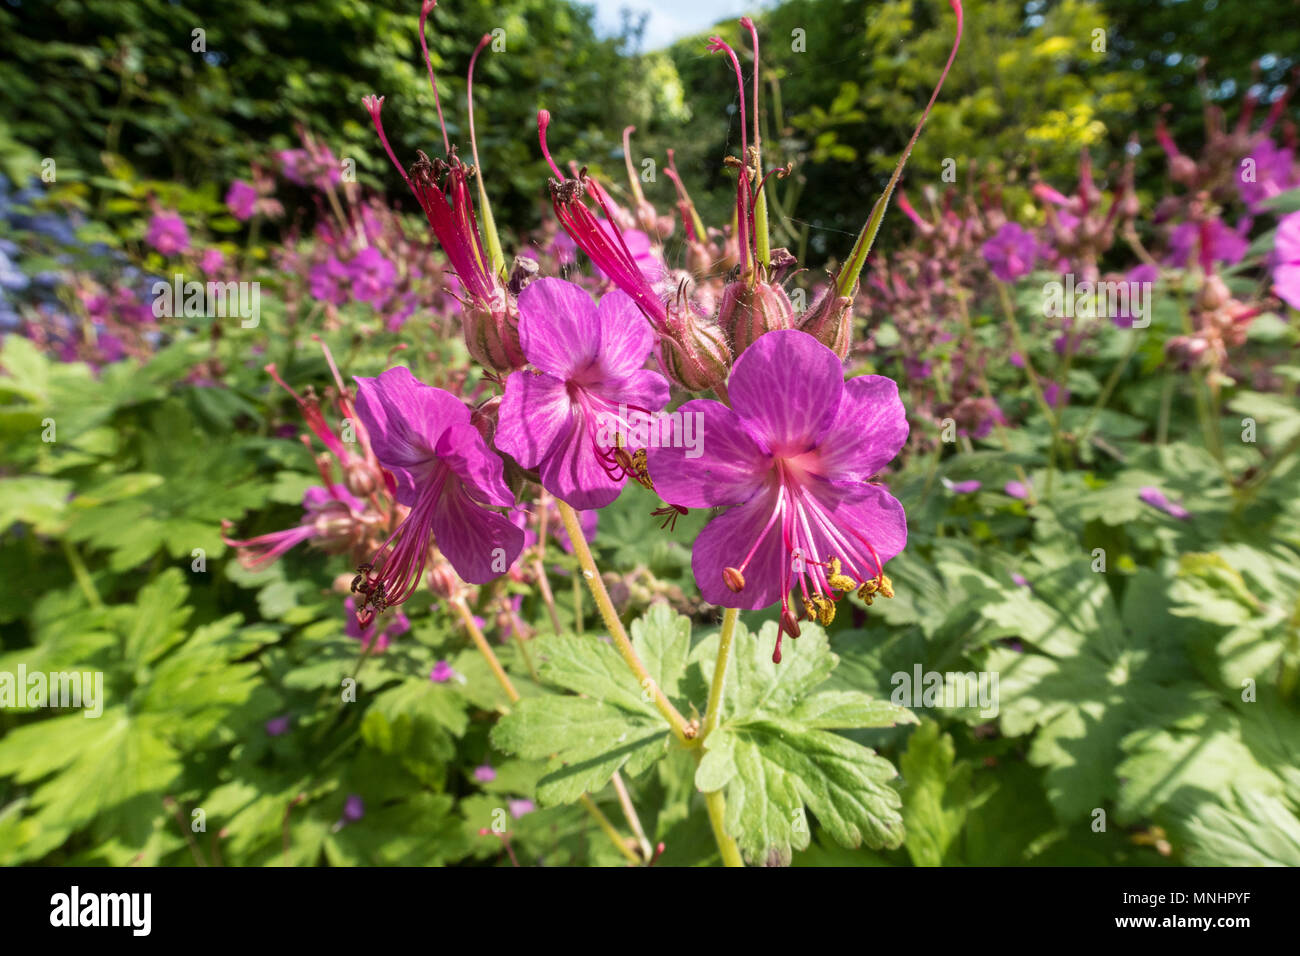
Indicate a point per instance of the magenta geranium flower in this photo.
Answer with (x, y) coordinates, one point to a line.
(367, 635)
(1156, 499)
(1286, 260)
(1212, 242)
(373, 276)
(562, 419)
(1011, 252)
(168, 234)
(331, 519)
(446, 475)
(241, 200)
(792, 457)
(329, 281)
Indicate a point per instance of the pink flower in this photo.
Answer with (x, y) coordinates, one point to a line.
(963, 487)
(1156, 499)
(168, 234)
(1286, 260)
(398, 626)
(1011, 252)
(485, 773)
(278, 726)
(212, 261)
(519, 808)
(441, 673)
(329, 281)
(1213, 242)
(1275, 173)
(449, 479)
(241, 200)
(590, 362)
(791, 458)
(373, 276)
(1016, 489)
(330, 517)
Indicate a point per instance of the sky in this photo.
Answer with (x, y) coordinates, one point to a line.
(670, 19)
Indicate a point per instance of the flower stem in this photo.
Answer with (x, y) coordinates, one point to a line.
(615, 837)
(629, 813)
(485, 648)
(462, 609)
(717, 806)
(615, 626)
(79, 572)
(715, 801)
(726, 638)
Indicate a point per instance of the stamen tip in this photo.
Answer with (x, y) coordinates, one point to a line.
(734, 580)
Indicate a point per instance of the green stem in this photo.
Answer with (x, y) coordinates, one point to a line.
(717, 806)
(617, 633)
(725, 639)
(81, 574)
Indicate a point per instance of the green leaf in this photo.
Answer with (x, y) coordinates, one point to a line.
(586, 740)
(935, 794)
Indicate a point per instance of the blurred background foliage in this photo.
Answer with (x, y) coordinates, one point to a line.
(1032, 88)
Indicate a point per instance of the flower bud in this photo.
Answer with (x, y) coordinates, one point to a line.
(359, 478)
(491, 330)
(693, 351)
(748, 311)
(830, 321)
(1214, 294)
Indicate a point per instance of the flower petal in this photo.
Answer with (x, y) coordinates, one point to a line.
(708, 457)
(405, 419)
(535, 410)
(480, 544)
(787, 387)
(869, 430)
(726, 540)
(572, 472)
(625, 336)
(463, 450)
(864, 511)
(558, 327)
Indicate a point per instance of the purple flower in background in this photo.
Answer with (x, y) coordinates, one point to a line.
(641, 248)
(353, 808)
(168, 234)
(485, 773)
(278, 726)
(1016, 489)
(1145, 274)
(446, 475)
(329, 281)
(373, 276)
(1156, 499)
(1011, 252)
(1055, 395)
(398, 626)
(590, 376)
(212, 261)
(329, 517)
(519, 808)
(1286, 260)
(962, 487)
(793, 456)
(1275, 173)
(441, 673)
(241, 200)
(1222, 245)
(1019, 580)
